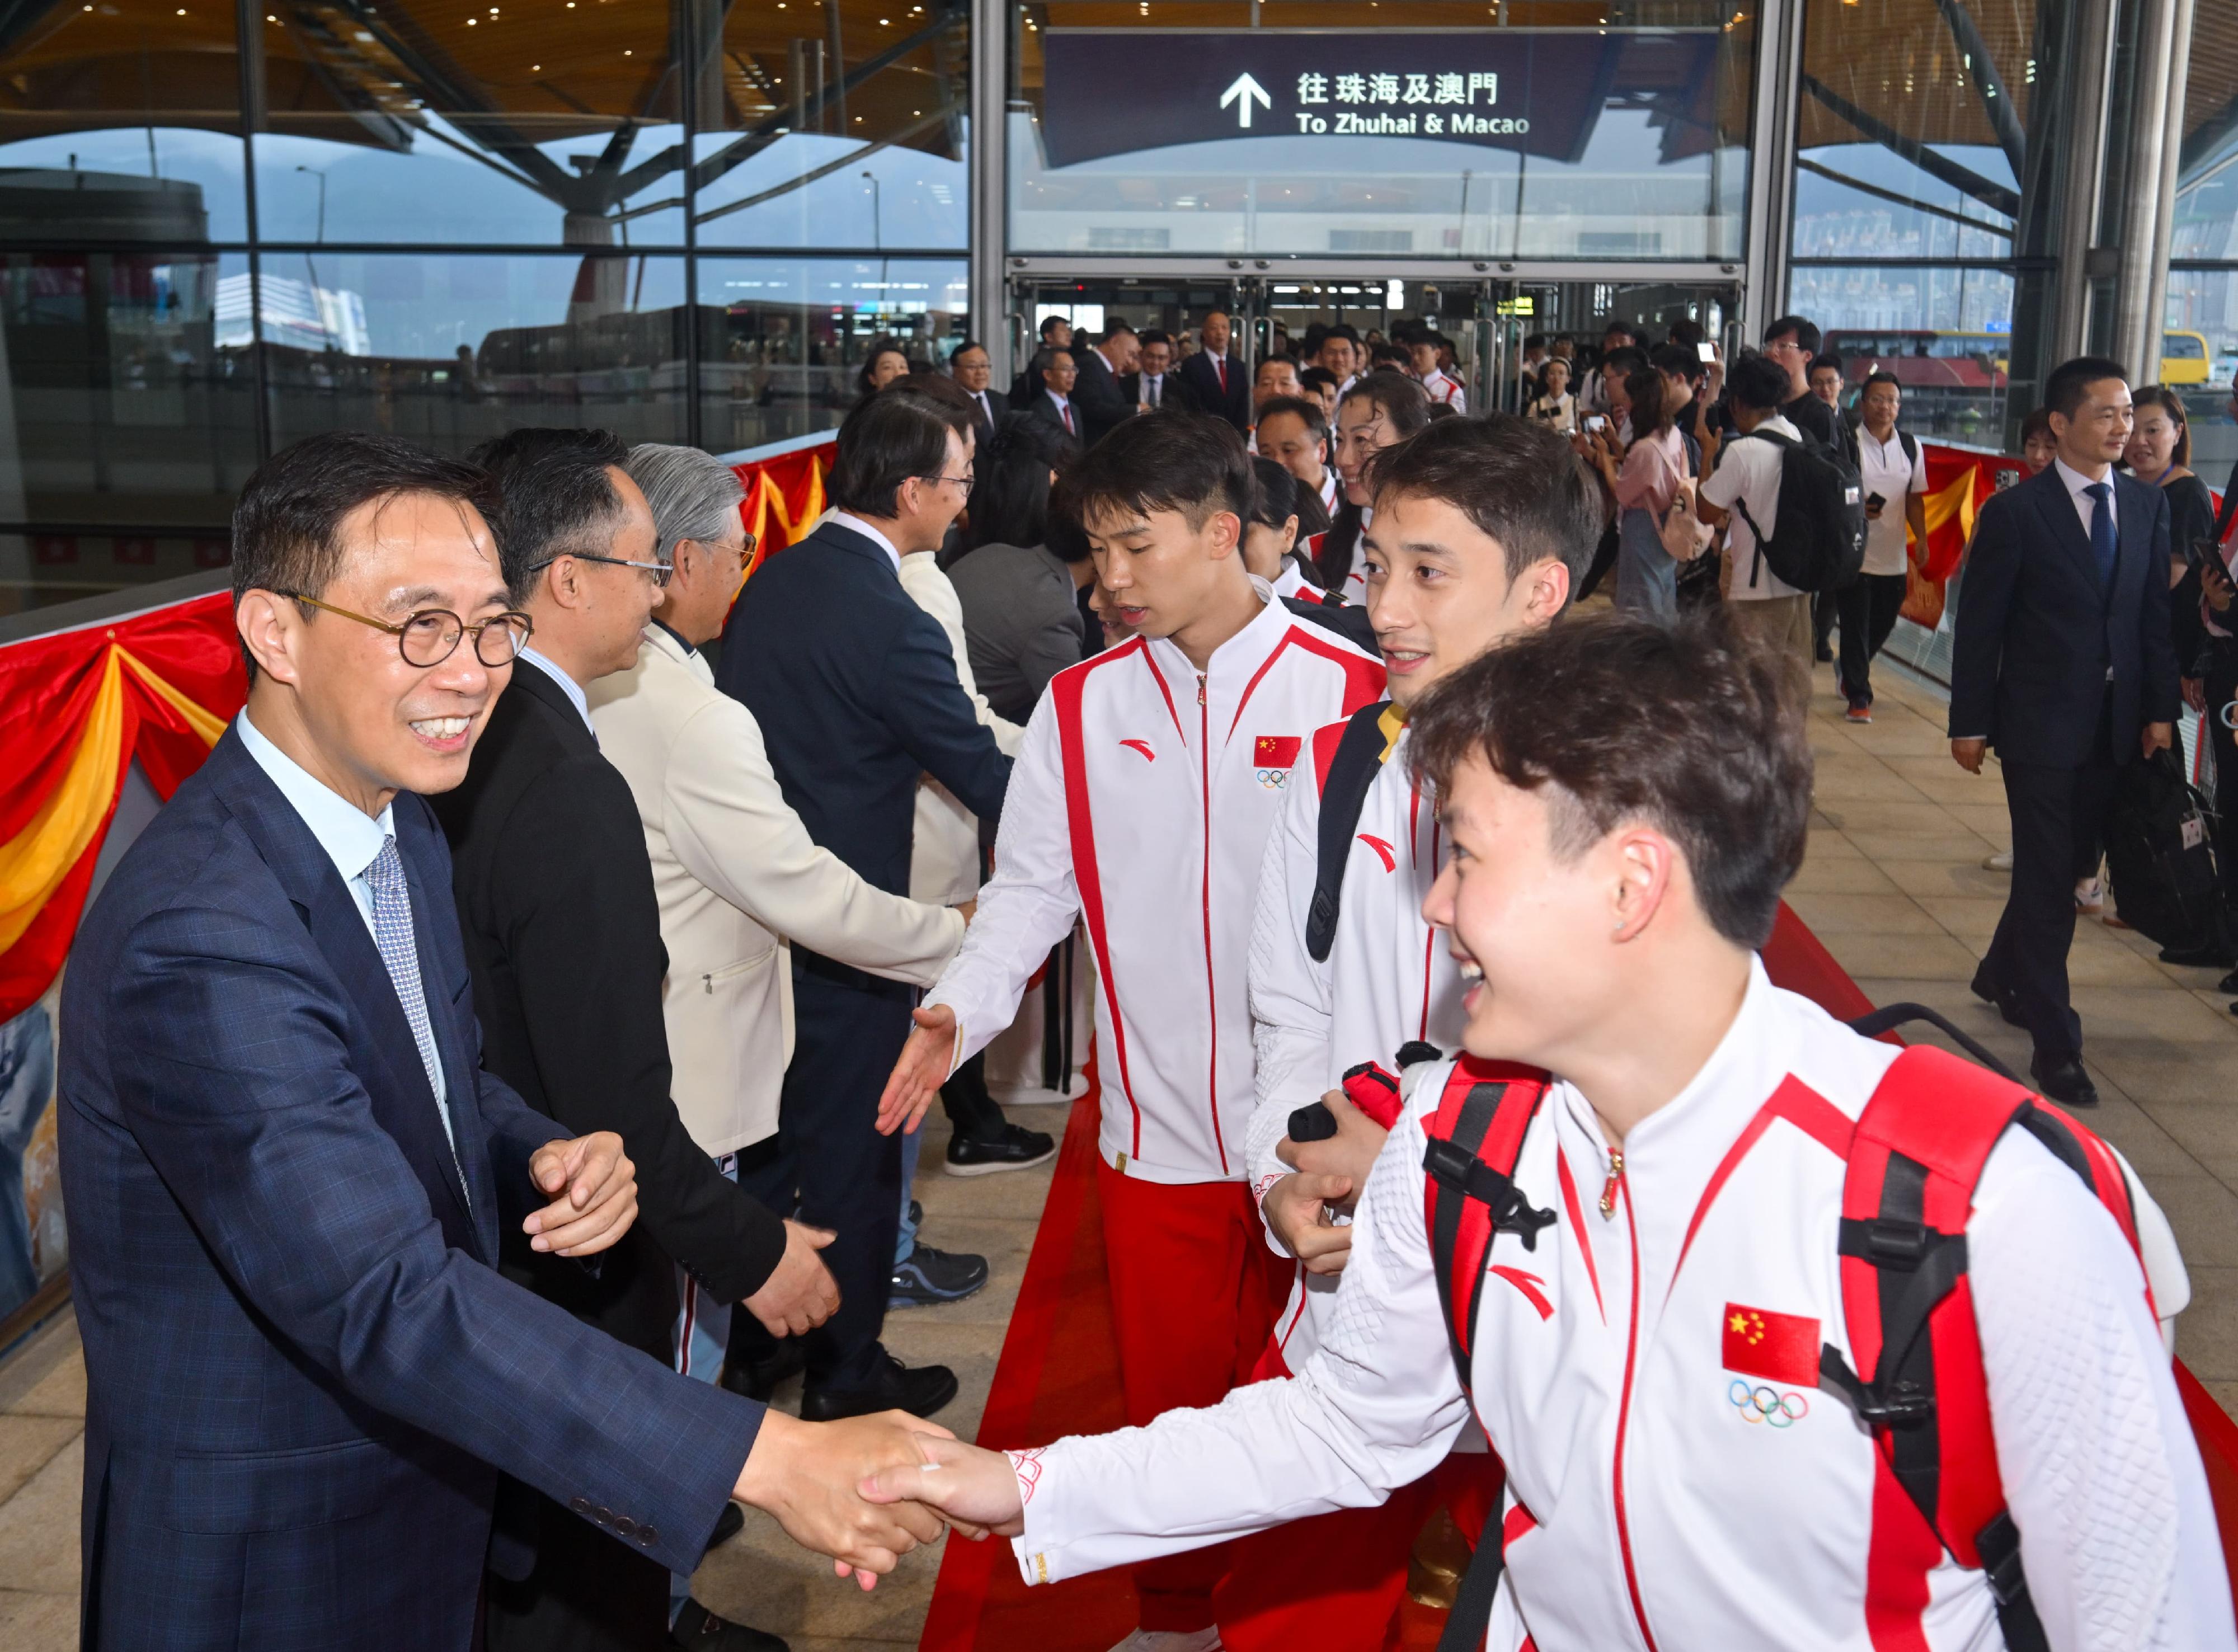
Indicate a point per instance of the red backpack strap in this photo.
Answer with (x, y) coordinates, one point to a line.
(1474, 1140)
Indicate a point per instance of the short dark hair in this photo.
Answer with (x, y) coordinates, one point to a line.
(1882, 375)
(2064, 390)
(1806, 333)
(948, 399)
(1399, 398)
(1622, 361)
(968, 344)
(1616, 325)
(1681, 359)
(1692, 726)
(1011, 498)
(1824, 359)
(884, 441)
(1386, 355)
(2036, 423)
(1755, 380)
(1534, 340)
(556, 492)
(1344, 330)
(1050, 323)
(2167, 401)
(1045, 358)
(1517, 479)
(287, 522)
(1303, 407)
(1167, 460)
(1689, 333)
(1117, 329)
(1154, 335)
(1313, 377)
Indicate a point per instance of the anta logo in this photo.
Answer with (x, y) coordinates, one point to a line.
(1142, 746)
(1534, 1288)
(1382, 849)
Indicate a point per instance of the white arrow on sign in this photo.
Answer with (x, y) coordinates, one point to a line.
(1241, 94)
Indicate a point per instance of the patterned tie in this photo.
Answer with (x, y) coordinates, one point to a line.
(399, 953)
(2104, 545)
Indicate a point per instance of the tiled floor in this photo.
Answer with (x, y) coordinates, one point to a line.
(1895, 887)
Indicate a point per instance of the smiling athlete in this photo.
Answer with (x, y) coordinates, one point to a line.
(1141, 802)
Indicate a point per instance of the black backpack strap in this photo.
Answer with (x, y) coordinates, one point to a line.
(1344, 790)
(1472, 1199)
(1465, 1624)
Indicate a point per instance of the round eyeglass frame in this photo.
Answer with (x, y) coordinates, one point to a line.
(520, 626)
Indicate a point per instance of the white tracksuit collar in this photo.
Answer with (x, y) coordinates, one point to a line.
(1249, 646)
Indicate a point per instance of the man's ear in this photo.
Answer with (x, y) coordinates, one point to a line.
(562, 580)
(1545, 592)
(1646, 865)
(270, 627)
(1226, 533)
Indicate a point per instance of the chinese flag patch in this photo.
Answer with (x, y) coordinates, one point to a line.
(1778, 1347)
(1276, 750)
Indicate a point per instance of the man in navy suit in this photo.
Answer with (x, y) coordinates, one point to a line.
(2064, 663)
(287, 1172)
(1217, 379)
(1101, 404)
(855, 690)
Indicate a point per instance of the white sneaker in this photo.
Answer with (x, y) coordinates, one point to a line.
(2000, 862)
(1170, 1641)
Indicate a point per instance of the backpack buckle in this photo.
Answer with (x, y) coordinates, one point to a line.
(1904, 1406)
(1455, 1167)
(1886, 1243)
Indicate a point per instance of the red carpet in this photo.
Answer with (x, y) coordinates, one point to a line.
(1058, 1375)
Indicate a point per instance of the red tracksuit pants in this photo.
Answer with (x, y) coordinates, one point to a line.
(1194, 1291)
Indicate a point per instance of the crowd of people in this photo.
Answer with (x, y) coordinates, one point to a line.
(516, 990)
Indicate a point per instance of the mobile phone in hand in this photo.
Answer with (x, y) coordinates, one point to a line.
(1708, 352)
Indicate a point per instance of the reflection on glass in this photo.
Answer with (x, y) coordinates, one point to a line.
(120, 122)
(122, 409)
(452, 350)
(837, 123)
(1411, 130)
(549, 123)
(789, 336)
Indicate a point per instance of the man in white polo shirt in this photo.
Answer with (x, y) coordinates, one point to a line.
(1892, 469)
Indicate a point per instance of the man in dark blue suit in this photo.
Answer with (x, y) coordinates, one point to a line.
(286, 1173)
(1217, 379)
(2064, 663)
(855, 688)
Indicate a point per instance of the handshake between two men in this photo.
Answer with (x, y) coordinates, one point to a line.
(815, 1479)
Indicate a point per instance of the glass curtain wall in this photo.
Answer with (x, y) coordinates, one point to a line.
(2201, 356)
(1598, 129)
(1912, 240)
(685, 222)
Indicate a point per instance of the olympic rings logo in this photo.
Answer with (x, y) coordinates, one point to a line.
(1769, 1405)
(1274, 779)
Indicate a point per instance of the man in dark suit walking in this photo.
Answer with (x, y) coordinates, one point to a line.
(287, 1174)
(973, 371)
(1154, 385)
(855, 690)
(2064, 663)
(1102, 405)
(1217, 379)
(570, 1008)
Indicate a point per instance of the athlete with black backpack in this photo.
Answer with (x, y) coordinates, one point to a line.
(1787, 1338)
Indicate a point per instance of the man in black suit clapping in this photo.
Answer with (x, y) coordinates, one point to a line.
(973, 371)
(855, 690)
(2064, 662)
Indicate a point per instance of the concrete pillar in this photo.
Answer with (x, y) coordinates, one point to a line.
(990, 175)
(2154, 142)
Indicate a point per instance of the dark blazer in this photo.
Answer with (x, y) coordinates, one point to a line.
(1097, 402)
(562, 934)
(2037, 634)
(1038, 406)
(1001, 405)
(855, 688)
(1174, 393)
(1234, 404)
(304, 1373)
(1021, 627)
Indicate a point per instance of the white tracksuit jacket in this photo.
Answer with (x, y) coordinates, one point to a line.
(1389, 979)
(1651, 1502)
(1133, 767)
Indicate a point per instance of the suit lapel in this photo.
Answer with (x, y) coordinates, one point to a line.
(2057, 510)
(388, 1058)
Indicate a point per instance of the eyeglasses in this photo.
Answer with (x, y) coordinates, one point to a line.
(658, 572)
(965, 482)
(431, 636)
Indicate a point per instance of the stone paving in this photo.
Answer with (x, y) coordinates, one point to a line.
(1895, 887)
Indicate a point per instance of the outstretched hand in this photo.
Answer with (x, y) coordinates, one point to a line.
(926, 1061)
(974, 1488)
(806, 1475)
(593, 1187)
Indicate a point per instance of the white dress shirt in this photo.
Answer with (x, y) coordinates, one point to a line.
(569, 685)
(986, 409)
(1154, 390)
(2075, 481)
(848, 519)
(352, 839)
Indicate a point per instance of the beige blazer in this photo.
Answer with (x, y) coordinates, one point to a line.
(944, 841)
(738, 878)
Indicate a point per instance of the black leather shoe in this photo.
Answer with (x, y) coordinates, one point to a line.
(920, 1391)
(2062, 1078)
(2229, 983)
(700, 1629)
(728, 1524)
(2212, 955)
(1016, 1148)
(1989, 993)
(758, 1379)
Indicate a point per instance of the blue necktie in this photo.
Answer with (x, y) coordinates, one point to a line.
(2103, 542)
(400, 953)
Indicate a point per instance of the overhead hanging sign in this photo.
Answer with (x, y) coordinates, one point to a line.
(1536, 92)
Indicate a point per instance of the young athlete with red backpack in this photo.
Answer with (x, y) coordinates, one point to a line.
(1141, 801)
(1786, 1338)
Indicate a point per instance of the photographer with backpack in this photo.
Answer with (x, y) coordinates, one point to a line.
(1796, 507)
(1788, 1338)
